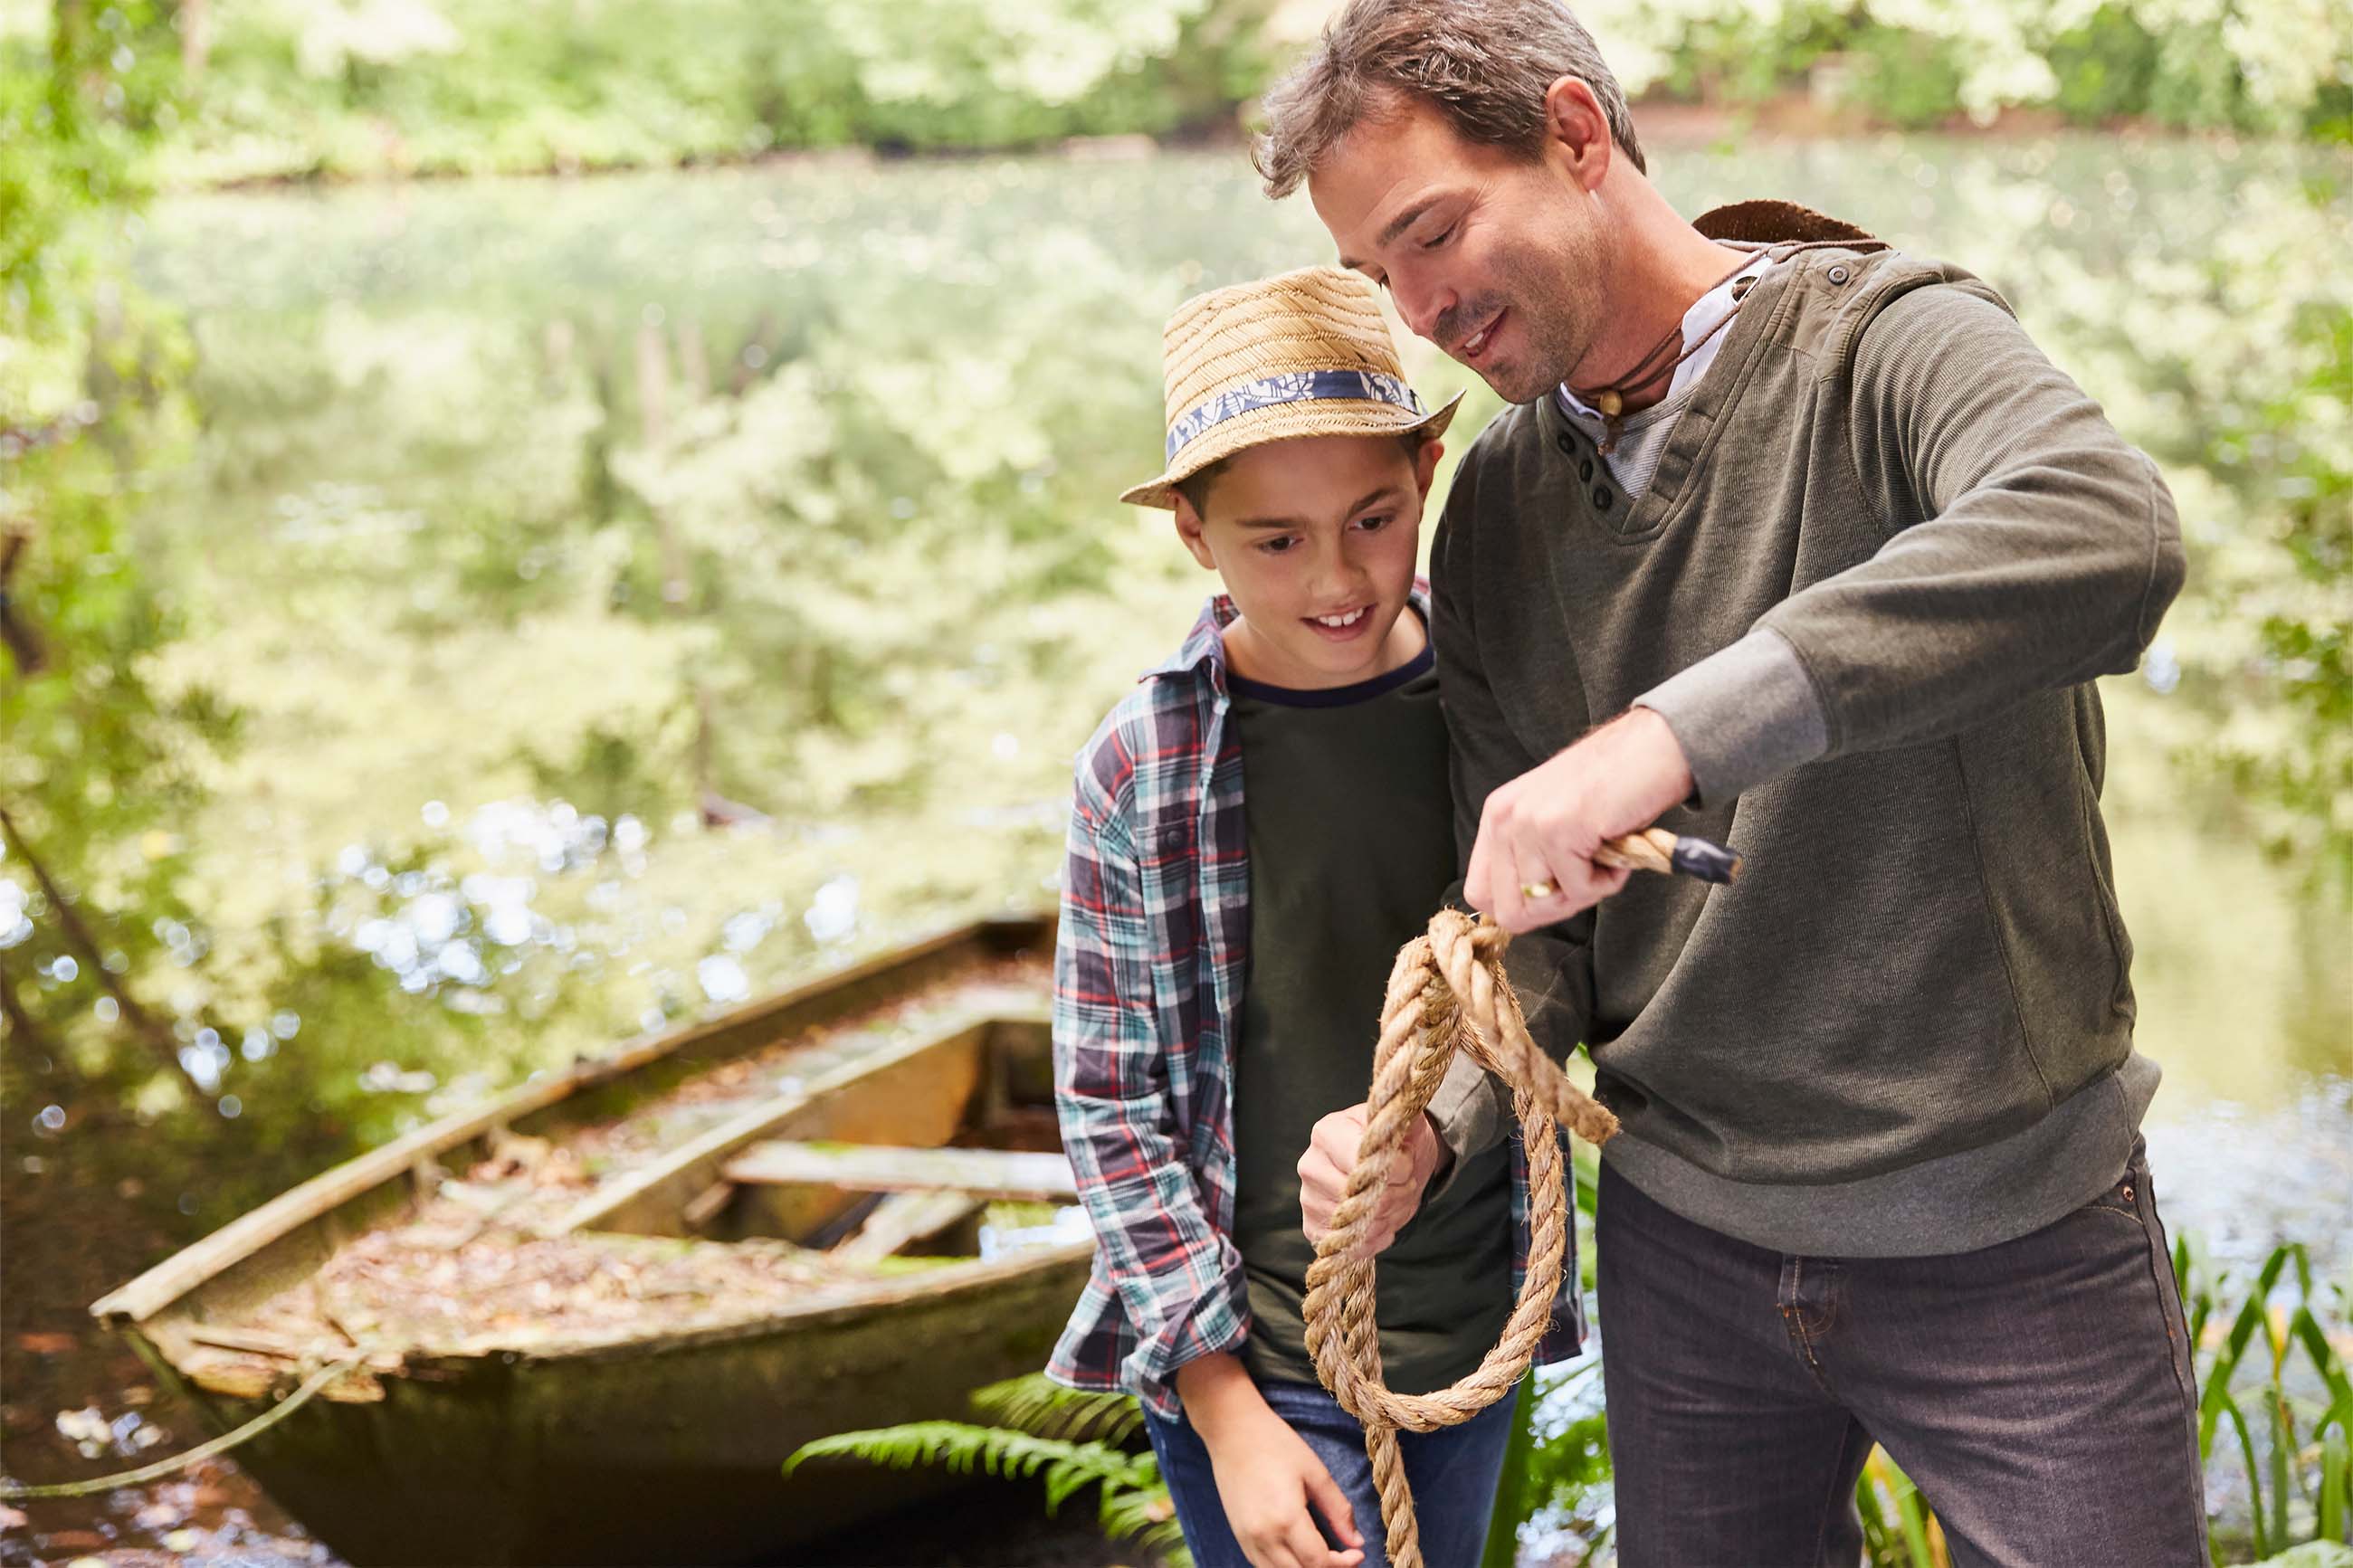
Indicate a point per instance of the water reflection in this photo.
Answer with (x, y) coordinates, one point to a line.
(835, 441)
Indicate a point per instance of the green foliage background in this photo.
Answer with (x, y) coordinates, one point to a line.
(892, 378)
(416, 586)
(299, 88)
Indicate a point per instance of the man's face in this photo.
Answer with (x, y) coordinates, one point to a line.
(1315, 538)
(1495, 257)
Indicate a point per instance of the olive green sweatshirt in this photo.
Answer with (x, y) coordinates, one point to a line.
(1884, 552)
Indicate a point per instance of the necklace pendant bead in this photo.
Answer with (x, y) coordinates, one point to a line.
(1610, 404)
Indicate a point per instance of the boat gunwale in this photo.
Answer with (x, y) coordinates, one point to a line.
(822, 1309)
(174, 1278)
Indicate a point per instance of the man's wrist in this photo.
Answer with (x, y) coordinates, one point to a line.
(1659, 755)
(1741, 716)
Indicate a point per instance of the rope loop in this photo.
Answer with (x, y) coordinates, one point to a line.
(1447, 993)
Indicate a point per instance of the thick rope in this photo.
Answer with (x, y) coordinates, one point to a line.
(1447, 993)
(220, 1444)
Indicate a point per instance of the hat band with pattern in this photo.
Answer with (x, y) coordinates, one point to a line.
(1292, 386)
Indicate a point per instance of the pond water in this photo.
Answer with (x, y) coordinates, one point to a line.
(636, 591)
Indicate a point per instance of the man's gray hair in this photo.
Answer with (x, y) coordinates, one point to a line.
(1485, 64)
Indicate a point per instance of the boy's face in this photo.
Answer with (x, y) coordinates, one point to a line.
(1315, 539)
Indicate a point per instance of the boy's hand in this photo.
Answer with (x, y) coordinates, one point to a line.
(1332, 1154)
(1267, 1475)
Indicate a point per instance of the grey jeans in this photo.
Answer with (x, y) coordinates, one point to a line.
(2040, 1392)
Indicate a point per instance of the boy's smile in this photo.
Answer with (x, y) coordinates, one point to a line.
(1316, 538)
(1345, 625)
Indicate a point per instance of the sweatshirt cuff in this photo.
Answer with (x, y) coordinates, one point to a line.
(1470, 1110)
(1743, 715)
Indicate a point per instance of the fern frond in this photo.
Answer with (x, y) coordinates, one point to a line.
(1133, 1503)
(995, 1450)
(1035, 1402)
(1147, 1518)
(901, 1447)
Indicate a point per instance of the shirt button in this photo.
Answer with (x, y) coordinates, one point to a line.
(1838, 274)
(1601, 498)
(1584, 469)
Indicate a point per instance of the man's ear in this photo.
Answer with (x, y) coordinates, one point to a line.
(1578, 129)
(1188, 529)
(1425, 464)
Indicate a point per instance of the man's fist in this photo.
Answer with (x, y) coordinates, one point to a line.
(1332, 1154)
(1533, 863)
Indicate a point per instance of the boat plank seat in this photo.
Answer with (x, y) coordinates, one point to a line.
(995, 1173)
(917, 1087)
(901, 1219)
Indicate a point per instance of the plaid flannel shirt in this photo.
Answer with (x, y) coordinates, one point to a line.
(1149, 969)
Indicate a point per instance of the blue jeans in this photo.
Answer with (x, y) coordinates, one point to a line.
(2039, 1392)
(1452, 1471)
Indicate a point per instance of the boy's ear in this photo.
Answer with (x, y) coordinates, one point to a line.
(1425, 464)
(1188, 529)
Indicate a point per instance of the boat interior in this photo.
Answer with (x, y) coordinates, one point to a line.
(876, 1117)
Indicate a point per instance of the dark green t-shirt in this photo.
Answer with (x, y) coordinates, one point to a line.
(1351, 850)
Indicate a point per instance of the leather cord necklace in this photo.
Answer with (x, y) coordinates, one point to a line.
(1610, 400)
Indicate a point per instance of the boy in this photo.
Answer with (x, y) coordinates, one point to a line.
(1219, 973)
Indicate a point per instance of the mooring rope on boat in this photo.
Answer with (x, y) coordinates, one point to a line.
(220, 1444)
(1448, 991)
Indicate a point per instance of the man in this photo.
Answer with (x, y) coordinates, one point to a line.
(1830, 553)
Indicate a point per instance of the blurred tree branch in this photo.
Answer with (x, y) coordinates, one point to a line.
(149, 1030)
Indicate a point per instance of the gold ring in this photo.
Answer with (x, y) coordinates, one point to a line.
(1532, 890)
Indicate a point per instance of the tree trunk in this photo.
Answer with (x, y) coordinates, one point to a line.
(694, 360)
(16, 626)
(195, 38)
(653, 414)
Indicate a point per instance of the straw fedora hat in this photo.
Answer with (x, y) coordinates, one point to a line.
(1303, 353)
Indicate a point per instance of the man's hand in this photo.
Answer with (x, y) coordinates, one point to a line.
(1542, 828)
(1332, 1154)
(1267, 1475)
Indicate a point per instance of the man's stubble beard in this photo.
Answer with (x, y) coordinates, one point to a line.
(1558, 299)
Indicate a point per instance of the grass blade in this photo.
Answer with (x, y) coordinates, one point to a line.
(1879, 1538)
(2336, 1483)
(2283, 1454)
(2306, 1330)
(2230, 1407)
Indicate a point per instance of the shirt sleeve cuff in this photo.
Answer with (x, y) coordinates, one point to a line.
(1743, 715)
(1215, 1320)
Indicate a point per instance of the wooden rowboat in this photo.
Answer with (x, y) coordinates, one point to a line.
(597, 1314)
